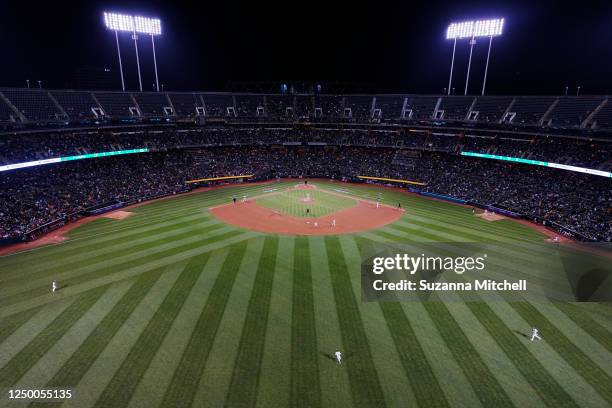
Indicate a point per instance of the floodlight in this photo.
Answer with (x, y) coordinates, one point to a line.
(118, 22)
(475, 29)
(152, 27)
(136, 25)
(146, 25)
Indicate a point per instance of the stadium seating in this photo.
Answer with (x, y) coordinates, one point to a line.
(491, 108)
(571, 111)
(35, 105)
(565, 114)
(330, 106)
(420, 107)
(76, 104)
(280, 106)
(531, 110)
(153, 103)
(250, 106)
(30, 200)
(360, 107)
(390, 106)
(217, 105)
(185, 104)
(603, 118)
(454, 107)
(117, 104)
(6, 113)
(304, 106)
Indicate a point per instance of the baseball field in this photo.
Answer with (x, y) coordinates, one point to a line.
(173, 305)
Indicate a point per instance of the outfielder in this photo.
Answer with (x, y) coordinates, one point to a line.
(53, 286)
(535, 334)
(338, 355)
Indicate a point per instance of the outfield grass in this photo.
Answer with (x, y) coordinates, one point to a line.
(295, 202)
(172, 308)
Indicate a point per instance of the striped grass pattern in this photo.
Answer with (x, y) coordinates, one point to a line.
(286, 304)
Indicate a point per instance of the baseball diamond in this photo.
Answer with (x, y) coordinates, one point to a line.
(419, 215)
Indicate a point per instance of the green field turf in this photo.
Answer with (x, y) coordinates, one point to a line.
(173, 308)
(290, 202)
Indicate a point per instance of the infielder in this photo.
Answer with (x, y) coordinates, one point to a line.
(334, 222)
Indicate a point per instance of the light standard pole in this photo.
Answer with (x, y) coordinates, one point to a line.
(155, 62)
(467, 78)
(120, 63)
(450, 79)
(135, 38)
(484, 82)
(152, 27)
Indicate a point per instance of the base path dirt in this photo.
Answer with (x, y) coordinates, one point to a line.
(252, 216)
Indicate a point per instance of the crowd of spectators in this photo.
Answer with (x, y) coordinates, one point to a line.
(30, 198)
(36, 146)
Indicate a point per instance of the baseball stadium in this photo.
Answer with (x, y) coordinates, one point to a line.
(275, 249)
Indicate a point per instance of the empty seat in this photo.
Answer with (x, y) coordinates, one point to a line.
(76, 104)
(491, 108)
(115, 103)
(530, 109)
(35, 105)
(152, 103)
(572, 111)
(455, 107)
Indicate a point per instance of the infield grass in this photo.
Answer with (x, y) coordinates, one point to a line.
(296, 202)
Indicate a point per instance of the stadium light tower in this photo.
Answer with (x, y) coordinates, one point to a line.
(119, 22)
(472, 30)
(151, 26)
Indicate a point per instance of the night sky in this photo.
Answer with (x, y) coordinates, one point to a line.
(385, 46)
